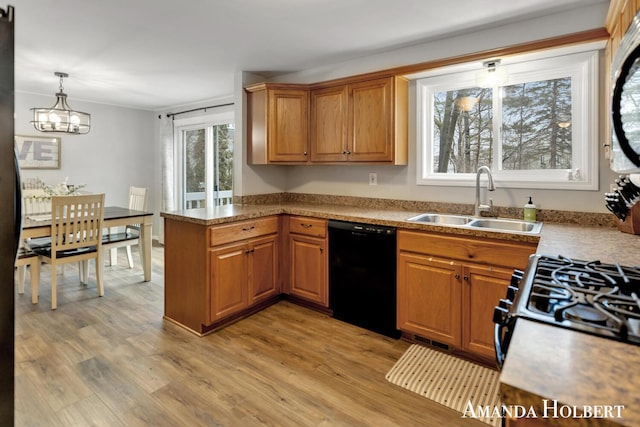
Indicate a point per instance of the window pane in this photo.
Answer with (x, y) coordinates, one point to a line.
(463, 134)
(224, 136)
(543, 125)
(194, 168)
(536, 125)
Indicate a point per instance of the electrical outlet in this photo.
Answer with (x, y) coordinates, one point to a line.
(373, 178)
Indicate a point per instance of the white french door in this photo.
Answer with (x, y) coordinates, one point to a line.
(204, 162)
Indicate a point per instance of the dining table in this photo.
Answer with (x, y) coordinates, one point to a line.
(39, 225)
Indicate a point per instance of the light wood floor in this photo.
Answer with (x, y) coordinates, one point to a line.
(113, 361)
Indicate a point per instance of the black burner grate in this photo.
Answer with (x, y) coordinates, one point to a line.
(598, 298)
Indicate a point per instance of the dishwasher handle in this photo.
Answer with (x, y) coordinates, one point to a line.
(360, 229)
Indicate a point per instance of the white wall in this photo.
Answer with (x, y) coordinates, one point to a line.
(118, 151)
(253, 179)
(399, 182)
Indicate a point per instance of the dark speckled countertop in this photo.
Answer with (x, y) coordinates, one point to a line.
(580, 242)
(389, 217)
(574, 368)
(543, 362)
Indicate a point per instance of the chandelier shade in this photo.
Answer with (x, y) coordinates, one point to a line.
(61, 118)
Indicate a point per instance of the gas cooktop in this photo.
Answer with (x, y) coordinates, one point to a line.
(589, 296)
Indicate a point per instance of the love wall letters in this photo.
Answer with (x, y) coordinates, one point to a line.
(36, 152)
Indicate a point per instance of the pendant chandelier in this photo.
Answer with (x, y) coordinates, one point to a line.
(61, 118)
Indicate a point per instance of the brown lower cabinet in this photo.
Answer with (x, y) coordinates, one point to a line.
(215, 274)
(482, 287)
(429, 297)
(242, 274)
(308, 260)
(448, 287)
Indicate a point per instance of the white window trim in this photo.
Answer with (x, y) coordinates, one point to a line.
(584, 87)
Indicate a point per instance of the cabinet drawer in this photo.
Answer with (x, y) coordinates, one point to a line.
(492, 252)
(236, 231)
(308, 226)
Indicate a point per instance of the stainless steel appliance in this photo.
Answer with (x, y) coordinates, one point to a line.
(9, 217)
(362, 275)
(625, 146)
(586, 296)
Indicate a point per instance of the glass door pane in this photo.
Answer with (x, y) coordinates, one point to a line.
(194, 168)
(223, 178)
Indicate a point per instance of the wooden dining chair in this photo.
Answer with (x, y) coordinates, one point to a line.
(138, 200)
(35, 203)
(27, 258)
(76, 235)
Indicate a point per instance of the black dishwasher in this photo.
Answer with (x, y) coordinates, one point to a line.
(362, 275)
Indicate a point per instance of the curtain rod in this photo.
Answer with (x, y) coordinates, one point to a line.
(198, 109)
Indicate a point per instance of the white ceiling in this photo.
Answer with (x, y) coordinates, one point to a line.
(153, 54)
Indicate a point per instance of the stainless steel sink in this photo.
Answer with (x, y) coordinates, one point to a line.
(507, 225)
(444, 219)
(489, 224)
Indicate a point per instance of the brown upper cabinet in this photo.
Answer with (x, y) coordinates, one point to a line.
(363, 121)
(619, 17)
(277, 123)
(354, 121)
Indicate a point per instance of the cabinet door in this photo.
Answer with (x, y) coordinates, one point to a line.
(228, 280)
(429, 297)
(263, 268)
(371, 121)
(309, 268)
(328, 139)
(288, 135)
(482, 289)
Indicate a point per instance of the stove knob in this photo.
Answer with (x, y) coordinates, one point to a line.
(500, 315)
(511, 292)
(506, 304)
(516, 277)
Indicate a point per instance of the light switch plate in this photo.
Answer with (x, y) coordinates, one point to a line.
(373, 178)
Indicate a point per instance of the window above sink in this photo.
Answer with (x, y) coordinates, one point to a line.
(536, 130)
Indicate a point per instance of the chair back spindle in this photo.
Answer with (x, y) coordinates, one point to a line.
(138, 201)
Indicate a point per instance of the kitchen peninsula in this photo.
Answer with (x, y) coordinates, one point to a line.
(208, 246)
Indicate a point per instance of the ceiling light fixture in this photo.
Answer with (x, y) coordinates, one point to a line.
(61, 118)
(492, 75)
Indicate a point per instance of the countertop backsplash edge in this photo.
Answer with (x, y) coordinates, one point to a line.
(593, 219)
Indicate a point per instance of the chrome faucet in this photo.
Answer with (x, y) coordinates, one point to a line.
(490, 187)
